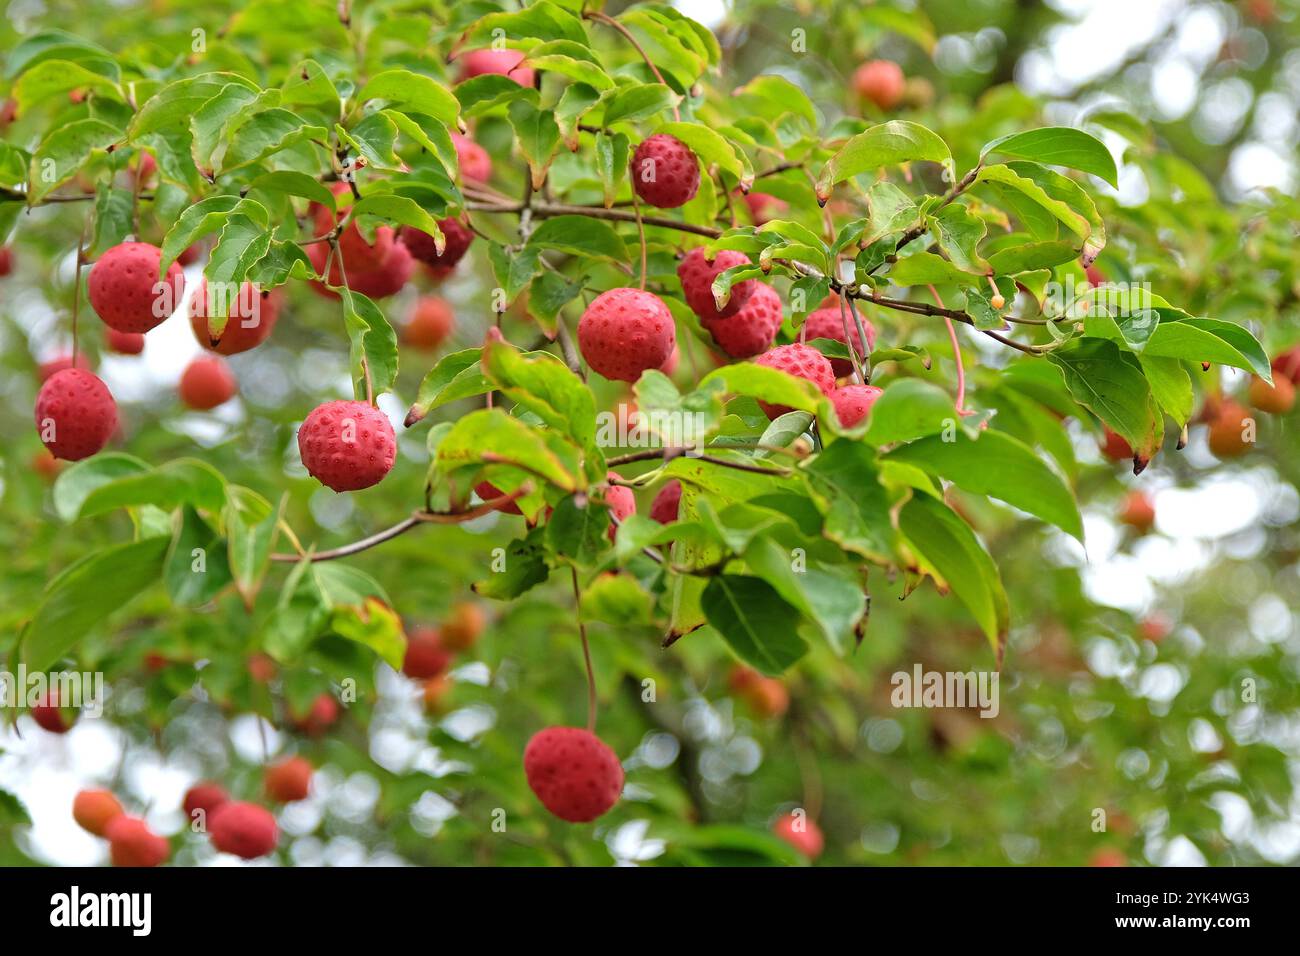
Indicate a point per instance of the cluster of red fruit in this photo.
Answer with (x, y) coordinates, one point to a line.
(244, 829)
(431, 650)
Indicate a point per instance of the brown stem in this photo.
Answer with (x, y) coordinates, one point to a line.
(611, 22)
(586, 654)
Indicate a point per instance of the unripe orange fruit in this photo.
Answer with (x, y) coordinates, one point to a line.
(94, 810)
(431, 322)
(880, 81)
(463, 626)
(132, 843)
(435, 693)
(1278, 398)
(289, 780)
(1226, 430)
(1138, 512)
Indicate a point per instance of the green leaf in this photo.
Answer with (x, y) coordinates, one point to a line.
(710, 147)
(173, 105)
(578, 532)
(832, 600)
(1110, 383)
(85, 594)
(845, 484)
(240, 245)
(538, 22)
(1029, 256)
(183, 481)
(768, 384)
(204, 218)
(946, 547)
(524, 568)
(579, 236)
(1005, 176)
(412, 93)
(1001, 467)
(574, 60)
(1171, 386)
(114, 218)
(369, 622)
(538, 135)
(490, 436)
(76, 482)
(545, 386)
(457, 375)
(1209, 340)
(55, 78)
(396, 209)
(612, 154)
(637, 102)
(908, 409)
(65, 150)
(758, 624)
(926, 268)
(251, 529)
(291, 183)
(374, 344)
(888, 144)
(1058, 146)
(197, 566)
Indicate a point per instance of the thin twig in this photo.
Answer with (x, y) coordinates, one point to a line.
(586, 654)
(611, 22)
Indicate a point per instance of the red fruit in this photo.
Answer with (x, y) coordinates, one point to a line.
(8, 111)
(6, 261)
(379, 283)
(880, 81)
(132, 843)
(1108, 857)
(251, 315)
(430, 323)
(123, 343)
(190, 255)
(358, 255)
(621, 503)
(827, 324)
(435, 693)
(1286, 364)
(801, 361)
(289, 780)
(125, 290)
(1278, 398)
(801, 833)
(1226, 430)
(461, 629)
(205, 797)
(669, 367)
(853, 402)
(763, 207)
(573, 772)
(665, 507)
(426, 654)
(75, 414)
(488, 491)
(46, 465)
(144, 169)
(261, 668)
(474, 162)
(1155, 627)
(1115, 447)
(322, 714)
(697, 274)
(61, 363)
(420, 244)
(765, 696)
(1138, 512)
(665, 173)
(347, 445)
(94, 810)
(1095, 276)
(626, 331)
(244, 829)
(206, 383)
(505, 62)
(752, 330)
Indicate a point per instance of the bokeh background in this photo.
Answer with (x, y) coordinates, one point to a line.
(1126, 667)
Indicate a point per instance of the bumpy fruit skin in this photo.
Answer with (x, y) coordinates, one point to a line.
(251, 316)
(881, 82)
(60, 363)
(488, 491)
(474, 162)
(853, 402)
(1225, 437)
(347, 446)
(358, 255)
(573, 772)
(430, 323)
(94, 810)
(505, 62)
(320, 716)
(621, 503)
(123, 343)
(801, 361)
(205, 797)
(125, 291)
(1287, 365)
(665, 173)
(80, 412)
(752, 330)
(244, 829)
(801, 833)
(461, 629)
(132, 843)
(626, 331)
(828, 324)
(665, 507)
(697, 274)
(289, 780)
(763, 207)
(378, 283)
(1115, 447)
(206, 383)
(1138, 512)
(1278, 398)
(669, 367)
(426, 654)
